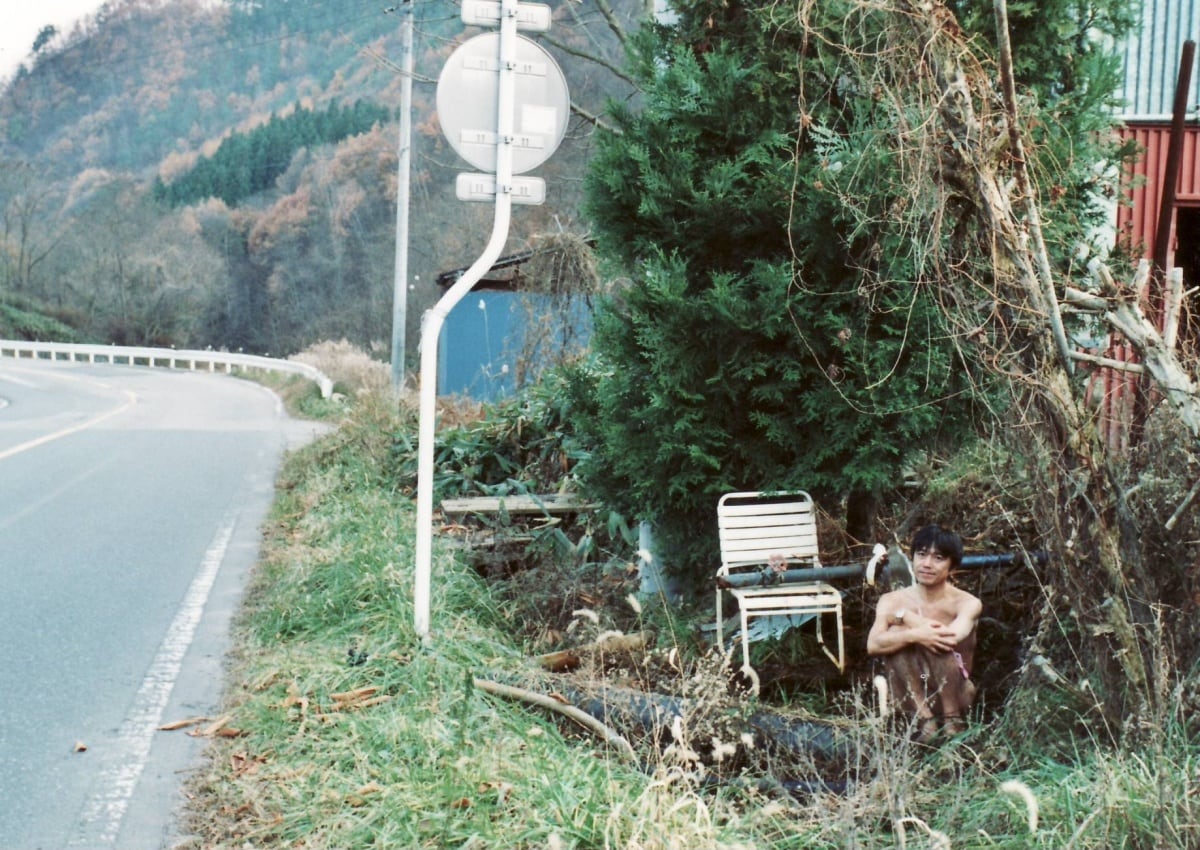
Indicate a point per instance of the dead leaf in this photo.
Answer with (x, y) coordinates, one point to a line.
(217, 729)
(367, 703)
(265, 681)
(216, 725)
(243, 764)
(503, 790)
(182, 724)
(359, 797)
(355, 695)
(461, 803)
(293, 697)
(360, 698)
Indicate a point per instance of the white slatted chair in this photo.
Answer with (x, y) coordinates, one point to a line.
(759, 528)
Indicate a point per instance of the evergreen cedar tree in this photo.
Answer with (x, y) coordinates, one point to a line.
(775, 331)
(248, 163)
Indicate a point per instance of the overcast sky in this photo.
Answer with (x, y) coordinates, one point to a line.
(22, 20)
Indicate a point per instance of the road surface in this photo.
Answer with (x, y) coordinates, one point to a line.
(130, 507)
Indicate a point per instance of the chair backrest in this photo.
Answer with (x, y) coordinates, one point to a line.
(756, 526)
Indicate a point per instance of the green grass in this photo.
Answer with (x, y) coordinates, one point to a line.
(430, 761)
(21, 318)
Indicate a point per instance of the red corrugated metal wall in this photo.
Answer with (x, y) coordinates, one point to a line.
(1136, 223)
(1110, 391)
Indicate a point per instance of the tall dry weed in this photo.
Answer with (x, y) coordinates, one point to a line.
(352, 369)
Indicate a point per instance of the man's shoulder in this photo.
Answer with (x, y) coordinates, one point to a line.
(963, 598)
(895, 597)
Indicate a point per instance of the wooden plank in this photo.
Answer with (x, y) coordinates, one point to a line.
(552, 504)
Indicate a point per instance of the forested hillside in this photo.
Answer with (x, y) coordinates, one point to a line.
(196, 174)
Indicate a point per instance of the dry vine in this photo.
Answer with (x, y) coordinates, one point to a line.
(563, 266)
(971, 217)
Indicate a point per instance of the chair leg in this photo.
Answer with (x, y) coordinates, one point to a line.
(745, 638)
(841, 642)
(821, 639)
(840, 658)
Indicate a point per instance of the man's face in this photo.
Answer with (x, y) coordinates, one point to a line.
(932, 567)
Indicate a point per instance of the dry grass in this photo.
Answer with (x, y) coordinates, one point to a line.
(351, 369)
(355, 734)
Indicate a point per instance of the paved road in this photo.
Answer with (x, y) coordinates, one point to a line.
(130, 507)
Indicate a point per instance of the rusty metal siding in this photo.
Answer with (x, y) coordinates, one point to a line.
(1110, 392)
(1151, 70)
(1137, 220)
(1151, 58)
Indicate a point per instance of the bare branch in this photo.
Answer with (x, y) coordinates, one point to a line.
(615, 70)
(1021, 168)
(610, 16)
(1108, 362)
(594, 120)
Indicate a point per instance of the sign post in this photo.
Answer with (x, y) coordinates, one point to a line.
(503, 105)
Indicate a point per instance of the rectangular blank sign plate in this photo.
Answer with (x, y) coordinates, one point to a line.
(532, 17)
(482, 187)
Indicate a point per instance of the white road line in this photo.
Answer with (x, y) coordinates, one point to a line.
(49, 496)
(13, 379)
(130, 401)
(100, 822)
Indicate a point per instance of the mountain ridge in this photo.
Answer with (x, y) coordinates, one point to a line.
(142, 91)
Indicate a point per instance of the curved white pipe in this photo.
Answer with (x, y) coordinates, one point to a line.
(431, 324)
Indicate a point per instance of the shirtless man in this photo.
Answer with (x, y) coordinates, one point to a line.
(925, 634)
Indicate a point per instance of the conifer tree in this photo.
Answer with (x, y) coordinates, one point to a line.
(780, 325)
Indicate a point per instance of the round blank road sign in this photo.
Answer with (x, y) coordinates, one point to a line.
(468, 94)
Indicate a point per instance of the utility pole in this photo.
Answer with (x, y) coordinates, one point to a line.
(404, 167)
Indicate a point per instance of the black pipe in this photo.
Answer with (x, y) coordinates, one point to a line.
(767, 577)
(980, 562)
(654, 714)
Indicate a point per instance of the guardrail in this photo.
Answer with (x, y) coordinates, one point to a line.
(170, 358)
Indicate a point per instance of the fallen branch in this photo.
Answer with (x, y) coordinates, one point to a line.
(582, 718)
(654, 715)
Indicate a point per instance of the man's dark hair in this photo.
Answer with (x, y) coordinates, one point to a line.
(940, 540)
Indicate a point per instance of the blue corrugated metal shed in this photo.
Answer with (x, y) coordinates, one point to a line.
(1152, 58)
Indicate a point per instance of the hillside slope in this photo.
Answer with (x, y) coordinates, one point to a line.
(144, 91)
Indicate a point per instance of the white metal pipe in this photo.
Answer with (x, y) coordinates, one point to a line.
(431, 324)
